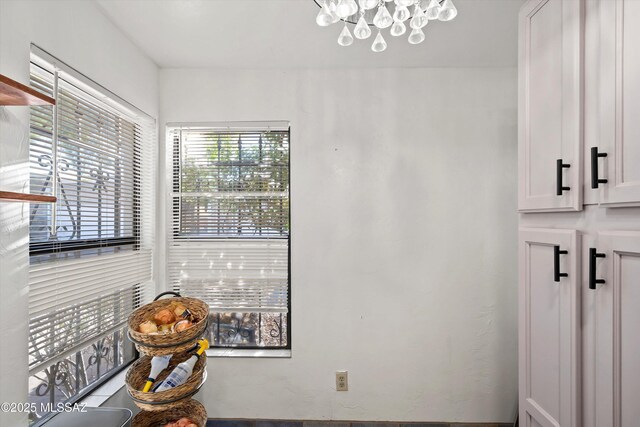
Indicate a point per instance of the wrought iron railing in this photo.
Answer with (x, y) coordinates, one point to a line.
(248, 330)
(67, 380)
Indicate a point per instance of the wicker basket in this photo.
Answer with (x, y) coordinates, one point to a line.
(137, 377)
(188, 408)
(177, 342)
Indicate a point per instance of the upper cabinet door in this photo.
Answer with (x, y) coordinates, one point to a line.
(550, 112)
(591, 101)
(616, 318)
(549, 328)
(620, 103)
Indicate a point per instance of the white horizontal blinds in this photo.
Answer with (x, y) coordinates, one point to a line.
(233, 275)
(233, 183)
(147, 187)
(81, 279)
(98, 165)
(41, 154)
(75, 301)
(230, 217)
(91, 261)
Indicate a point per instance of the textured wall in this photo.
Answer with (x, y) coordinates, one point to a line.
(404, 219)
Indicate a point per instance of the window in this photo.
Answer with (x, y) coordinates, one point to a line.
(97, 152)
(90, 253)
(230, 229)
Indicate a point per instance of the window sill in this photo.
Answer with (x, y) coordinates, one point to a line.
(101, 394)
(239, 352)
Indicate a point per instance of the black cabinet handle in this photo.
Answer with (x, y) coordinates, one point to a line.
(595, 180)
(556, 264)
(593, 257)
(559, 186)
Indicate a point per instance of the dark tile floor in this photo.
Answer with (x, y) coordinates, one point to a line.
(285, 423)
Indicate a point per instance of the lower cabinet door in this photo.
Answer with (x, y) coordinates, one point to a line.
(549, 328)
(617, 329)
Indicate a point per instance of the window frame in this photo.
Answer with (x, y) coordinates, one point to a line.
(175, 188)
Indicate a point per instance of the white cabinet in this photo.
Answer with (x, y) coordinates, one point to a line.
(579, 335)
(616, 320)
(619, 171)
(552, 382)
(550, 105)
(549, 328)
(579, 93)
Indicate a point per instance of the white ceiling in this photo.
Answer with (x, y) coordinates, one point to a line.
(283, 33)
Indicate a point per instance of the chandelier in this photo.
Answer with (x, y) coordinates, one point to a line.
(381, 14)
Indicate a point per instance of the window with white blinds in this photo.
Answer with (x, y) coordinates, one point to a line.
(97, 181)
(230, 228)
(90, 252)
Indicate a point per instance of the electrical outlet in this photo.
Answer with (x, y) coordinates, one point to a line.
(342, 381)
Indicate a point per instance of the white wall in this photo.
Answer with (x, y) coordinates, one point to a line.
(403, 192)
(77, 33)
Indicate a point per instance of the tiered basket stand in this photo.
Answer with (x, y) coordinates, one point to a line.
(173, 404)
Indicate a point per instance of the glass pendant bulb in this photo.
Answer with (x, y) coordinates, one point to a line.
(398, 28)
(405, 3)
(379, 44)
(419, 19)
(332, 10)
(383, 18)
(362, 30)
(416, 36)
(448, 11)
(324, 17)
(433, 10)
(401, 13)
(346, 8)
(345, 38)
(353, 7)
(367, 4)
